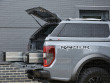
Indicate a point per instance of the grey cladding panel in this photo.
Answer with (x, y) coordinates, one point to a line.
(15, 39)
(12, 12)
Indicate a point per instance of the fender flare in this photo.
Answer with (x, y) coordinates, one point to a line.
(85, 60)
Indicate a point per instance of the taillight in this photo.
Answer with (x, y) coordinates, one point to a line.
(48, 55)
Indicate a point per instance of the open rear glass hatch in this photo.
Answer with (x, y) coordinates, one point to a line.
(43, 14)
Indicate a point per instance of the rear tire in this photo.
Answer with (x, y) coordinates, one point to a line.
(94, 75)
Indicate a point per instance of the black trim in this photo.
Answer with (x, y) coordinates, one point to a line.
(42, 74)
(4, 56)
(3, 62)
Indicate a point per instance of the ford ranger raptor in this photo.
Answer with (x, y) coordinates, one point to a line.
(72, 50)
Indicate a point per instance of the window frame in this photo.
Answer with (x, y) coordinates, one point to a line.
(104, 14)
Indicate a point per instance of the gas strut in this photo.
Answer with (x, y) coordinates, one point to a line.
(36, 20)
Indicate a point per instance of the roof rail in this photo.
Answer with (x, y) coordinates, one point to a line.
(83, 19)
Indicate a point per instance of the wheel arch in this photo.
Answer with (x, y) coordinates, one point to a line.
(79, 66)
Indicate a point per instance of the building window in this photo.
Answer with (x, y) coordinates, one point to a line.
(98, 14)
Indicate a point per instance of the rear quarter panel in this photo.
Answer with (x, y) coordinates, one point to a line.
(69, 53)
